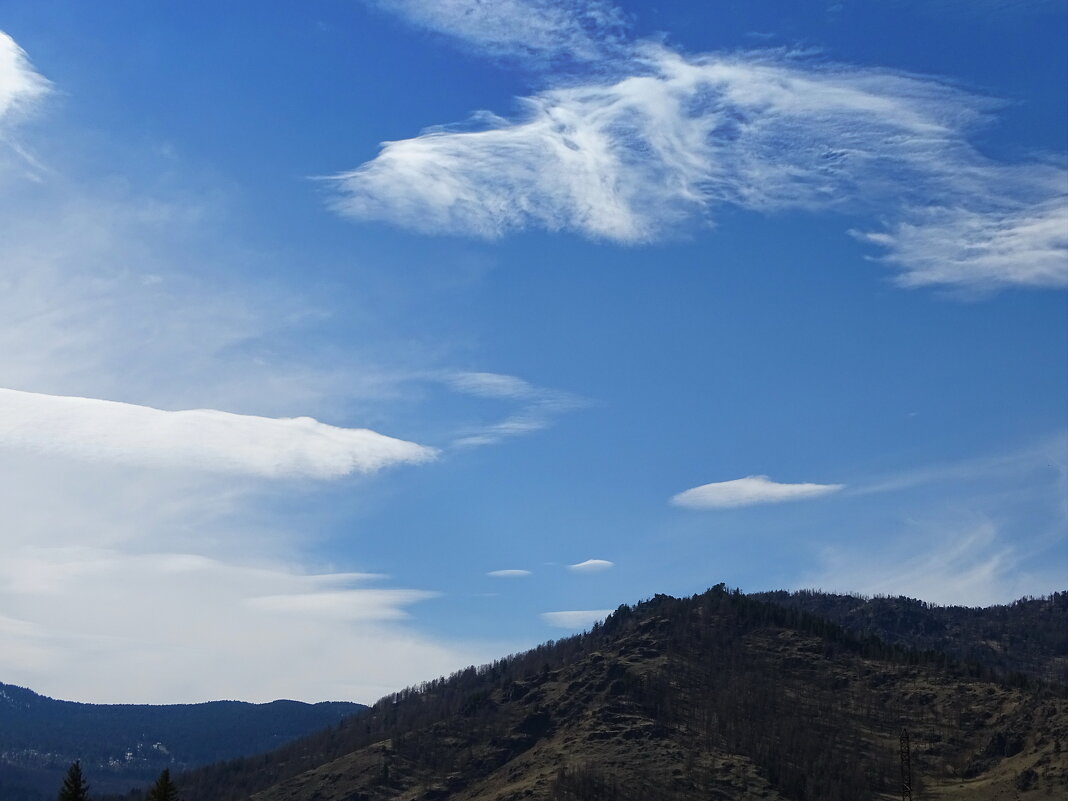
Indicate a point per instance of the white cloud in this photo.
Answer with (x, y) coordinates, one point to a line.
(674, 138)
(20, 85)
(575, 619)
(508, 573)
(591, 566)
(749, 491)
(201, 439)
(109, 290)
(583, 30)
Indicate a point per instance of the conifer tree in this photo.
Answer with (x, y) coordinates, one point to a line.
(74, 785)
(164, 789)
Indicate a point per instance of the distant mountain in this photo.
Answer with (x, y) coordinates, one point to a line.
(121, 746)
(719, 696)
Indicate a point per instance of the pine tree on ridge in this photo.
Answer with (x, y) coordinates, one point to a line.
(74, 787)
(164, 789)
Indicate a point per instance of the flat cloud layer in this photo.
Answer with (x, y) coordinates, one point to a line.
(201, 439)
(575, 618)
(749, 491)
(673, 138)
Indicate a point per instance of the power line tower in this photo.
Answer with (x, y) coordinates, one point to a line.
(906, 767)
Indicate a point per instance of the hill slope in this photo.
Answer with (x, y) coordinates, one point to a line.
(1029, 636)
(123, 745)
(720, 696)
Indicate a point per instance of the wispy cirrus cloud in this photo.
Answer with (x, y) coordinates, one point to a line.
(973, 565)
(581, 30)
(749, 491)
(979, 531)
(670, 140)
(199, 439)
(510, 573)
(20, 84)
(1017, 244)
(538, 407)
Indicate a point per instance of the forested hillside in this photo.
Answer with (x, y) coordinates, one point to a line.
(716, 696)
(1028, 636)
(123, 745)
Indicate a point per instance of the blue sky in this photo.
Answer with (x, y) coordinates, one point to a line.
(316, 317)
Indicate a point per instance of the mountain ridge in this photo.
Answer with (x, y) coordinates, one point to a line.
(123, 745)
(719, 695)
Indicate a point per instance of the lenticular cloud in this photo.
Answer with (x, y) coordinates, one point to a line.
(749, 491)
(199, 439)
(630, 159)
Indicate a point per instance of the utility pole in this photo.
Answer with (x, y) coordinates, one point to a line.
(906, 767)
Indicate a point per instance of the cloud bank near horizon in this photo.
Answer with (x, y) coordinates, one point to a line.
(749, 491)
(73, 603)
(199, 439)
(670, 140)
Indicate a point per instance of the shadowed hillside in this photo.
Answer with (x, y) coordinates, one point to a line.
(719, 696)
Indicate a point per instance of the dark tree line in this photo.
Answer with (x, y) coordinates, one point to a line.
(76, 788)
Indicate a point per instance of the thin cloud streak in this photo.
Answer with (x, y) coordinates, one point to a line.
(1050, 452)
(749, 491)
(575, 618)
(673, 139)
(539, 406)
(509, 573)
(343, 604)
(491, 385)
(201, 439)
